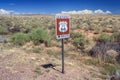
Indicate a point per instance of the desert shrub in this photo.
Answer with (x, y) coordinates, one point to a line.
(78, 40)
(37, 36)
(52, 32)
(101, 50)
(104, 38)
(19, 38)
(3, 30)
(108, 69)
(116, 37)
(3, 39)
(40, 35)
(107, 47)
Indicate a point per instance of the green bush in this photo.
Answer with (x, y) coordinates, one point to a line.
(116, 37)
(78, 40)
(108, 69)
(109, 38)
(104, 38)
(40, 35)
(3, 30)
(37, 36)
(19, 38)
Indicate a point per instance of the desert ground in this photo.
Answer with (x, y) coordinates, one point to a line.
(29, 49)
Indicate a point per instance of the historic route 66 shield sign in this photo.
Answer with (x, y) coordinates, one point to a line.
(62, 26)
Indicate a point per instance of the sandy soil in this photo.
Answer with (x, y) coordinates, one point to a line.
(17, 64)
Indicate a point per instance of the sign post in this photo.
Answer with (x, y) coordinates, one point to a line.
(62, 31)
(62, 55)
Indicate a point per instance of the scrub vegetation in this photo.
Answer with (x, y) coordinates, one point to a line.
(28, 41)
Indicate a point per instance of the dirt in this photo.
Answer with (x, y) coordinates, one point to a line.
(17, 64)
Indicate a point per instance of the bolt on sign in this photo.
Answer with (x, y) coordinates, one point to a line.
(62, 26)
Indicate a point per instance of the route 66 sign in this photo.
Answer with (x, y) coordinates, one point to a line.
(62, 26)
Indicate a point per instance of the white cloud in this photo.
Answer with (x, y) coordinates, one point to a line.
(6, 12)
(99, 11)
(11, 12)
(108, 12)
(86, 11)
(78, 12)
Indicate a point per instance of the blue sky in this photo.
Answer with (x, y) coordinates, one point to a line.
(56, 6)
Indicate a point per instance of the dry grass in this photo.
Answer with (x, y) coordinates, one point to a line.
(22, 62)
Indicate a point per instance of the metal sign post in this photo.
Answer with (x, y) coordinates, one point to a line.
(62, 31)
(63, 56)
